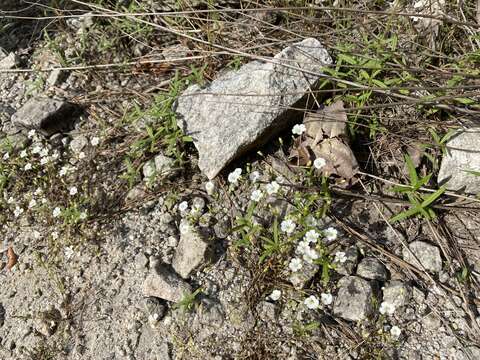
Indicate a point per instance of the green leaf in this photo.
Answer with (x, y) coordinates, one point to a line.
(473, 172)
(430, 199)
(412, 172)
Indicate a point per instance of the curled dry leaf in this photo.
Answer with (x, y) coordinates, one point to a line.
(12, 258)
(330, 121)
(325, 137)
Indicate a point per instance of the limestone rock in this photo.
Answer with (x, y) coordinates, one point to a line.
(397, 294)
(463, 155)
(373, 269)
(354, 301)
(428, 255)
(9, 62)
(191, 252)
(45, 114)
(243, 109)
(165, 284)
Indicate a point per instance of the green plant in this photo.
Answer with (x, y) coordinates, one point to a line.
(420, 203)
(188, 300)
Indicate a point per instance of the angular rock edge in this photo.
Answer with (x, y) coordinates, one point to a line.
(225, 124)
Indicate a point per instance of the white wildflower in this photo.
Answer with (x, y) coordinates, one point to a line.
(272, 188)
(63, 171)
(256, 195)
(95, 141)
(55, 156)
(56, 212)
(54, 235)
(340, 257)
(275, 295)
(31, 133)
(10, 200)
(43, 152)
(73, 190)
(43, 160)
(18, 211)
(23, 154)
(395, 331)
(254, 176)
(68, 251)
(299, 129)
(36, 234)
(302, 247)
(36, 149)
(38, 191)
(83, 215)
(183, 206)
(330, 233)
(210, 187)
(310, 255)
(28, 167)
(234, 176)
(327, 298)
(81, 155)
(288, 226)
(6, 156)
(311, 236)
(295, 264)
(387, 308)
(312, 302)
(319, 163)
(32, 203)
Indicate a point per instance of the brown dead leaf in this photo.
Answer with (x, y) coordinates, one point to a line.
(330, 121)
(339, 158)
(12, 258)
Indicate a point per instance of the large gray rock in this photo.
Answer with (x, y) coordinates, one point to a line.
(354, 301)
(191, 252)
(45, 114)
(165, 284)
(463, 155)
(243, 109)
(428, 255)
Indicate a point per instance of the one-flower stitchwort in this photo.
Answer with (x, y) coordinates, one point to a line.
(312, 302)
(275, 295)
(395, 331)
(330, 233)
(295, 264)
(387, 308)
(340, 257)
(311, 236)
(183, 206)
(210, 187)
(299, 129)
(327, 298)
(272, 188)
(254, 176)
(288, 226)
(234, 176)
(256, 195)
(319, 163)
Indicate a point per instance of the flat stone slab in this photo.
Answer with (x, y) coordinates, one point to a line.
(164, 283)
(354, 301)
(45, 114)
(243, 109)
(463, 156)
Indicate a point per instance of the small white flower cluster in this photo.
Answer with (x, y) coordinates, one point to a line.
(304, 250)
(313, 303)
